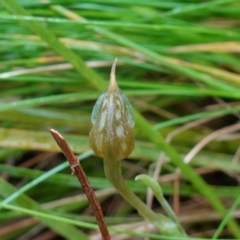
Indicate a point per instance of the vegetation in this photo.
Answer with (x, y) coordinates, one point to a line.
(178, 64)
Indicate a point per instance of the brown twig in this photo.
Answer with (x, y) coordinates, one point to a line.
(176, 192)
(78, 170)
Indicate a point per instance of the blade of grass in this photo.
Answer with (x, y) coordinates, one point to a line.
(201, 115)
(25, 202)
(36, 27)
(61, 98)
(72, 97)
(64, 180)
(42, 178)
(59, 220)
(186, 170)
(186, 27)
(196, 7)
(152, 55)
(48, 217)
(226, 218)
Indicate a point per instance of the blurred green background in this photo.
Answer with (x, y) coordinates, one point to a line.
(178, 63)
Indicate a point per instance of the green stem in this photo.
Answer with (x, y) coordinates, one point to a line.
(113, 173)
(157, 191)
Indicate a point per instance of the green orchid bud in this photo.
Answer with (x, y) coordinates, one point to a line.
(112, 134)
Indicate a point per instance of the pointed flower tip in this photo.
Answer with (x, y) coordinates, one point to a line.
(111, 136)
(113, 83)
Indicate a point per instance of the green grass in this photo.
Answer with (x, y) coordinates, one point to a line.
(55, 61)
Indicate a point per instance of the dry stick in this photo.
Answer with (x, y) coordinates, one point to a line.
(176, 192)
(78, 170)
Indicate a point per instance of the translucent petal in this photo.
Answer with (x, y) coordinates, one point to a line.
(128, 108)
(97, 108)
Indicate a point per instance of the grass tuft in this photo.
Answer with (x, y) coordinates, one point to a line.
(177, 63)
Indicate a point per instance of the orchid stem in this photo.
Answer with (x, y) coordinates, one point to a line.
(113, 173)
